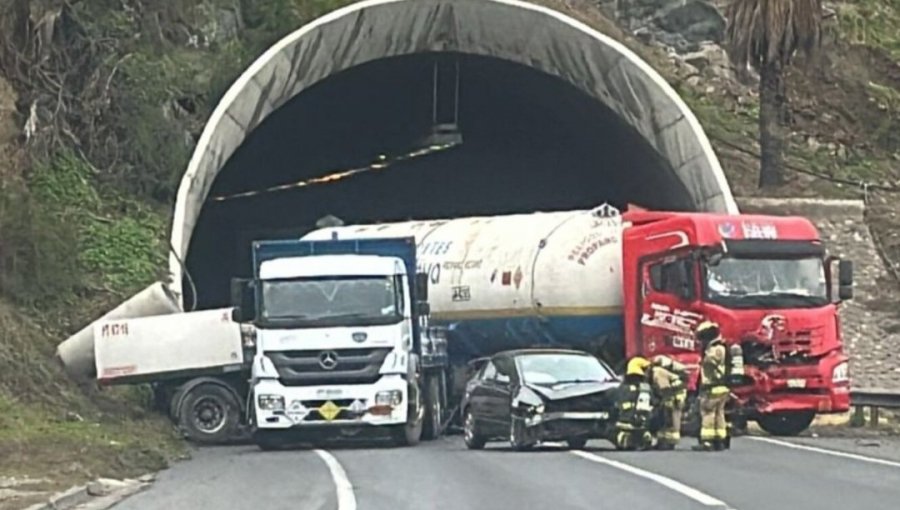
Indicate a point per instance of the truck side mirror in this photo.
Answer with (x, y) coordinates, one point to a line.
(242, 299)
(845, 273)
(845, 280)
(422, 286)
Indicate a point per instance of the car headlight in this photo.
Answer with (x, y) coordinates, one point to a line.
(841, 373)
(271, 402)
(389, 398)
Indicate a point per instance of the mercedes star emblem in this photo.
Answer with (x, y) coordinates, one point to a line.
(328, 360)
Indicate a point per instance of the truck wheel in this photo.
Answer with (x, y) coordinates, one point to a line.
(518, 435)
(433, 413)
(787, 423)
(576, 444)
(268, 440)
(410, 433)
(473, 440)
(209, 414)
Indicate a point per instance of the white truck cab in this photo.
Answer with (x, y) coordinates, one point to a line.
(337, 340)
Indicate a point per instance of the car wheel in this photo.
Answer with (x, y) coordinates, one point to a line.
(473, 440)
(576, 444)
(518, 435)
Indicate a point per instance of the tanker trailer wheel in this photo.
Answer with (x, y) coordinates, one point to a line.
(434, 410)
(209, 414)
(786, 423)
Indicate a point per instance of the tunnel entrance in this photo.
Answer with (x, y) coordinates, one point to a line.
(531, 141)
(554, 115)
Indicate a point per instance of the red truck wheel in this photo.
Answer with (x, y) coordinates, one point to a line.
(787, 423)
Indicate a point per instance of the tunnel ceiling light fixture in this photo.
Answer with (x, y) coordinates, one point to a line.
(383, 163)
(443, 133)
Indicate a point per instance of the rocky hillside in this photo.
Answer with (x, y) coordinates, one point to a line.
(90, 90)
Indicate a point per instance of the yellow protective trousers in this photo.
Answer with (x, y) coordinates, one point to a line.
(712, 410)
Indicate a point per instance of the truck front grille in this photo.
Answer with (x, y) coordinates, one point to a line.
(352, 366)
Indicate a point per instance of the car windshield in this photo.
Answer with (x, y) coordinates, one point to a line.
(345, 301)
(552, 369)
(776, 283)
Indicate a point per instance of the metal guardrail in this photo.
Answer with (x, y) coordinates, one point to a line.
(875, 399)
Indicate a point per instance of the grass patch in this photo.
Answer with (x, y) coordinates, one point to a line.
(37, 442)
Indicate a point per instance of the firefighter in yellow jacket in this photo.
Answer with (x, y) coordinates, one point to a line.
(714, 391)
(667, 379)
(633, 408)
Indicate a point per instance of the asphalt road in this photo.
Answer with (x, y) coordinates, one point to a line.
(755, 474)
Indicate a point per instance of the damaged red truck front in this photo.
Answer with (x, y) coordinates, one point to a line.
(770, 284)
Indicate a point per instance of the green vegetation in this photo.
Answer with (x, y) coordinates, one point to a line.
(872, 23)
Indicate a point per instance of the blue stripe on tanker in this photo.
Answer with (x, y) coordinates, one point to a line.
(485, 336)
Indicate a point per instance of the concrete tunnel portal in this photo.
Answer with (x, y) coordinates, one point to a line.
(553, 115)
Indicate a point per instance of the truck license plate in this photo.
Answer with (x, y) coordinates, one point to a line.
(796, 383)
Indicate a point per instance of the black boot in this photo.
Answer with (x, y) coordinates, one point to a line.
(704, 446)
(718, 445)
(726, 443)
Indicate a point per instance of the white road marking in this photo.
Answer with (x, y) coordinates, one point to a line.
(824, 451)
(345, 498)
(674, 485)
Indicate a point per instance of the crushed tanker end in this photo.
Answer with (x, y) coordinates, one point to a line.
(504, 282)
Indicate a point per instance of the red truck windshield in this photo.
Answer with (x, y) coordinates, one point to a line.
(743, 282)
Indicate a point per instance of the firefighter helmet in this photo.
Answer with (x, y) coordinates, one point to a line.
(707, 331)
(637, 366)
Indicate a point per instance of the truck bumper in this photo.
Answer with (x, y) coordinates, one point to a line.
(798, 388)
(837, 400)
(315, 407)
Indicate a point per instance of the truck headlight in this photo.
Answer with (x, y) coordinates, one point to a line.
(841, 373)
(271, 402)
(389, 398)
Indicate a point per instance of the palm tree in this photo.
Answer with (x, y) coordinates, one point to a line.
(766, 34)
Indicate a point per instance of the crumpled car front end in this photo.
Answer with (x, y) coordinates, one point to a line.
(565, 412)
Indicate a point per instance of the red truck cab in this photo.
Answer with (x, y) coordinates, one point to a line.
(767, 281)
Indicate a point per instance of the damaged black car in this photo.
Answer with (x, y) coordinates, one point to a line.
(538, 395)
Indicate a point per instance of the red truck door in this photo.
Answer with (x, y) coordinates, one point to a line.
(669, 293)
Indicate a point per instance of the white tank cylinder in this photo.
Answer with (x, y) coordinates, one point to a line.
(522, 279)
(77, 352)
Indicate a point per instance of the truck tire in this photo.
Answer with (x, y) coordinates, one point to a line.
(787, 423)
(410, 433)
(269, 440)
(471, 436)
(576, 444)
(432, 427)
(209, 414)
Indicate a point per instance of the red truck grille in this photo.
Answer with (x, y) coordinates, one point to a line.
(794, 342)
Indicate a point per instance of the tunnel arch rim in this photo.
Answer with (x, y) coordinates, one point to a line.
(180, 242)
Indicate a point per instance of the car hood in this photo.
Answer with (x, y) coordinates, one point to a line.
(569, 390)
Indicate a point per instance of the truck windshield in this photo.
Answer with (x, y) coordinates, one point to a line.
(331, 301)
(762, 282)
(553, 369)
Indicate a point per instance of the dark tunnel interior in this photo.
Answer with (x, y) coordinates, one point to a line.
(531, 141)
